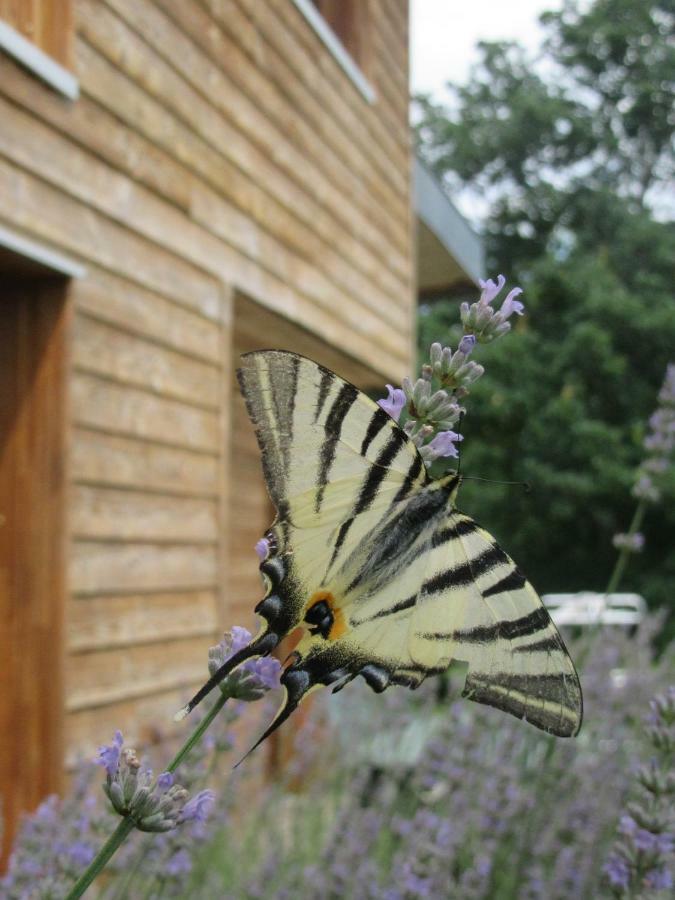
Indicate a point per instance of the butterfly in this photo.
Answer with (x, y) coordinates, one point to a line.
(372, 559)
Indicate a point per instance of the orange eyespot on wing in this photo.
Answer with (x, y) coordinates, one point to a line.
(325, 616)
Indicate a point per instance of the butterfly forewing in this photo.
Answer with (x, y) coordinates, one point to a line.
(329, 452)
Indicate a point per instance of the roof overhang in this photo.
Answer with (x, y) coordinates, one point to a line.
(450, 254)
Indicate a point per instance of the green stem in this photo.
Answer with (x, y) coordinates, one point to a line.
(107, 851)
(586, 646)
(127, 824)
(622, 561)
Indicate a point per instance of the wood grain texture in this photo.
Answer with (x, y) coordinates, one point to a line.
(108, 514)
(102, 458)
(100, 567)
(120, 621)
(107, 676)
(102, 349)
(99, 403)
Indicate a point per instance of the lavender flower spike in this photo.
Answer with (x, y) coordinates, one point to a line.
(394, 402)
(482, 321)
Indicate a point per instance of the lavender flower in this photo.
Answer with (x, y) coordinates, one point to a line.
(158, 805)
(109, 755)
(254, 678)
(198, 808)
(262, 548)
(429, 408)
(394, 402)
(442, 445)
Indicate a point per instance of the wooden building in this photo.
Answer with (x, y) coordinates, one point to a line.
(179, 182)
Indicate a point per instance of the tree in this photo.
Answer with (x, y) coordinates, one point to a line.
(574, 153)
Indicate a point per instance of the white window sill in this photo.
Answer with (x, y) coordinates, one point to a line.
(332, 42)
(37, 62)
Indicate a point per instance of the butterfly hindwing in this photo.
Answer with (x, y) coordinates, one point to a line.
(476, 606)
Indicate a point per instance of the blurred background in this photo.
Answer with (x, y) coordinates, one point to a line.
(183, 182)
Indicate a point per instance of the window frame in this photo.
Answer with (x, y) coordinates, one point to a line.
(39, 63)
(337, 49)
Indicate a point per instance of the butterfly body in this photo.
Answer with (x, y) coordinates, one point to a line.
(372, 559)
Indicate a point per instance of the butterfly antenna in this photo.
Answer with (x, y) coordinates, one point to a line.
(527, 487)
(459, 444)
(259, 647)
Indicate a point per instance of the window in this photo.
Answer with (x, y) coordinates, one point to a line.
(40, 35)
(350, 21)
(344, 26)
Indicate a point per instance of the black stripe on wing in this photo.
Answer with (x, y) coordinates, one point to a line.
(327, 379)
(376, 475)
(414, 473)
(452, 532)
(466, 573)
(400, 539)
(378, 421)
(333, 427)
(538, 620)
(511, 582)
(402, 605)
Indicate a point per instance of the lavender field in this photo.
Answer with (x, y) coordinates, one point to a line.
(407, 795)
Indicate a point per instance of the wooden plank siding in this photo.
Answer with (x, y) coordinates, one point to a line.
(226, 187)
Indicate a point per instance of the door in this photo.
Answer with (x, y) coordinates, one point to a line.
(33, 324)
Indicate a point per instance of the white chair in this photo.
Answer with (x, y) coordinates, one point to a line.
(589, 608)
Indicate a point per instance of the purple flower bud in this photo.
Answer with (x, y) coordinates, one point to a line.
(467, 344)
(239, 638)
(198, 808)
(165, 781)
(394, 402)
(262, 548)
(109, 755)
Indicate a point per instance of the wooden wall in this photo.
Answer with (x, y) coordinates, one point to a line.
(217, 149)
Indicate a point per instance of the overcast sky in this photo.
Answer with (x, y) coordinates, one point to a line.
(445, 32)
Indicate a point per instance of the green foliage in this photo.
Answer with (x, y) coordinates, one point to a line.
(573, 153)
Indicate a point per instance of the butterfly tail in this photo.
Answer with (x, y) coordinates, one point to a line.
(297, 683)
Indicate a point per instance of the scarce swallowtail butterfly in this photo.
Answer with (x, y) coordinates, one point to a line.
(372, 559)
